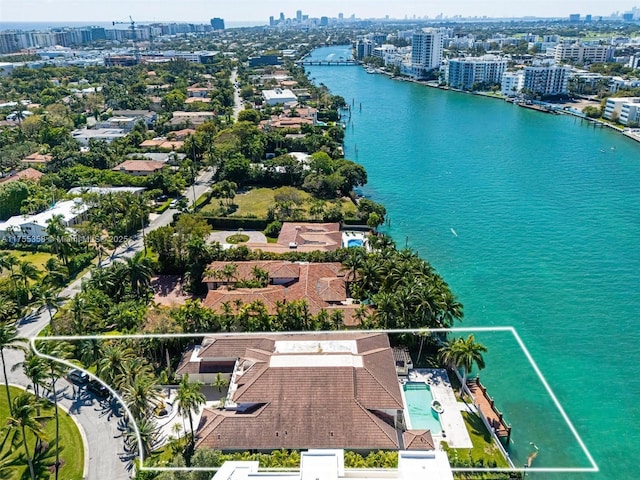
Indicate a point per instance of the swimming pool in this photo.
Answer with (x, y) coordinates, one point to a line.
(418, 397)
(354, 242)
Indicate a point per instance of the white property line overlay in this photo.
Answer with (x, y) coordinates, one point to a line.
(593, 469)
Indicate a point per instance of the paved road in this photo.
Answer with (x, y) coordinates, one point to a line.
(98, 420)
(238, 103)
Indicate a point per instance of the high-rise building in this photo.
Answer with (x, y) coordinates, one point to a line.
(217, 23)
(574, 17)
(511, 83)
(551, 80)
(281, 16)
(324, 21)
(341, 17)
(299, 16)
(426, 49)
(272, 22)
(579, 52)
(465, 72)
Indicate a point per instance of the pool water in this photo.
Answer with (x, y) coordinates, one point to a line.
(354, 242)
(419, 398)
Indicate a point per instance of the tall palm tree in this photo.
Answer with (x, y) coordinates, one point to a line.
(190, 399)
(55, 371)
(34, 368)
(24, 418)
(463, 353)
(9, 339)
(139, 272)
(49, 298)
(27, 271)
(58, 235)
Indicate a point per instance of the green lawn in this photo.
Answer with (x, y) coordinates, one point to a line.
(38, 259)
(71, 452)
(256, 202)
(484, 449)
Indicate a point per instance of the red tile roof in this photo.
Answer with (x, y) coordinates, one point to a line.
(139, 166)
(26, 174)
(306, 406)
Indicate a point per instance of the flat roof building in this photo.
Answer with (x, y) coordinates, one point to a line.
(279, 95)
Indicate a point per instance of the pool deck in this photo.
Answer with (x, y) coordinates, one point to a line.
(455, 430)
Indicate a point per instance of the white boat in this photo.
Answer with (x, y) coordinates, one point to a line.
(371, 70)
(437, 407)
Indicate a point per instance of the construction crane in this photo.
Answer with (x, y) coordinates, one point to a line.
(133, 36)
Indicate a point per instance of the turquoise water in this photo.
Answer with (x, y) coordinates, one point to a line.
(354, 242)
(546, 215)
(419, 398)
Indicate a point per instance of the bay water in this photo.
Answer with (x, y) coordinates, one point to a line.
(534, 221)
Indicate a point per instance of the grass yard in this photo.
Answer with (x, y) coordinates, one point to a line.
(484, 449)
(255, 203)
(38, 258)
(13, 464)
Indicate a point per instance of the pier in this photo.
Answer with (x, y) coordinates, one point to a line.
(486, 406)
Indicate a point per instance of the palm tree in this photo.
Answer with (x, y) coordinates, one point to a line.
(461, 353)
(55, 274)
(141, 395)
(58, 235)
(7, 262)
(89, 351)
(111, 366)
(220, 382)
(190, 399)
(149, 436)
(82, 312)
(34, 368)
(27, 271)
(139, 271)
(56, 370)
(49, 298)
(9, 339)
(24, 418)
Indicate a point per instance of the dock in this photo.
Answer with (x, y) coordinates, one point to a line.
(486, 406)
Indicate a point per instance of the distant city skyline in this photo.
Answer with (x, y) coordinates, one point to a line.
(201, 11)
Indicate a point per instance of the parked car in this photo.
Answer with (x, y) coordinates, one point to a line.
(78, 376)
(98, 389)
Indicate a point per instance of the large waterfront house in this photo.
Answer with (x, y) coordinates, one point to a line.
(322, 286)
(302, 390)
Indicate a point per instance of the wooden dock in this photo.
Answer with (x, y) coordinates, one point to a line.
(487, 406)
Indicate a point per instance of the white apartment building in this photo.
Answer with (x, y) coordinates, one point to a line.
(625, 110)
(464, 72)
(579, 52)
(426, 52)
(548, 80)
(512, 83)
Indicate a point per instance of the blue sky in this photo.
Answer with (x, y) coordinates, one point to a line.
(252, 10)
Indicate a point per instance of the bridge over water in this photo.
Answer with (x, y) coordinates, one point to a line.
(328, 63)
